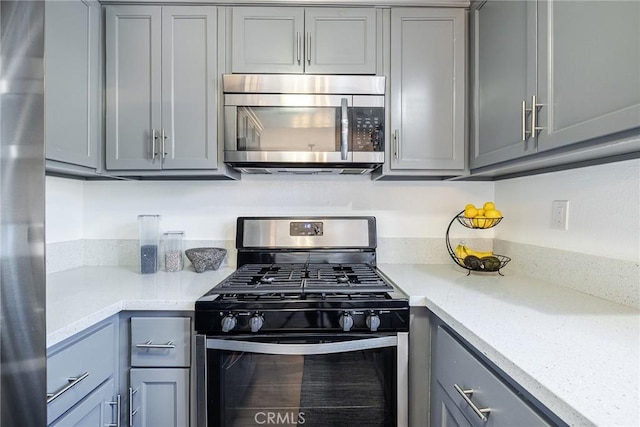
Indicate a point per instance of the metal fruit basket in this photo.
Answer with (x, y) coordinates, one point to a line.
(479, 223)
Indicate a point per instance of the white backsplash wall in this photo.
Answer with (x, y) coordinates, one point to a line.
(604, 210)
(207, 210)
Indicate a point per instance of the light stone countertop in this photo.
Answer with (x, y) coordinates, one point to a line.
(577, 354)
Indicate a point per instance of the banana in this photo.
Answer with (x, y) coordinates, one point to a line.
(463, 251)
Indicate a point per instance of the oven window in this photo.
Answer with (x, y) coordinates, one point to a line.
(353, 388)
(288, 129)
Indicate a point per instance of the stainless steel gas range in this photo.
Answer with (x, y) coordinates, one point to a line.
(307, 331)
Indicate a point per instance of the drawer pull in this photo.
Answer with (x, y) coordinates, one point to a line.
(466, 395)
(73, 381)
(150, 344)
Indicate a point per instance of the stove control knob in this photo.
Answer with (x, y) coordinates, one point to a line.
(228, 323)
(346, 321)
(373, 322)
(256, 322)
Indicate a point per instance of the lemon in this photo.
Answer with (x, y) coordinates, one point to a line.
(470, 212)
(493, 213)
(488, 206)
(470, 205)
(481, 221)
(481, 212)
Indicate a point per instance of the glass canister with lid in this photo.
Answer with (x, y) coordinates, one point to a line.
(173, 256)
(149, 236)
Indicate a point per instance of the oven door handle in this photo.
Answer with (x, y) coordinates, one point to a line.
(301, 349)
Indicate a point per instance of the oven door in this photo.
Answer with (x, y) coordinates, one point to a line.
(310, 380)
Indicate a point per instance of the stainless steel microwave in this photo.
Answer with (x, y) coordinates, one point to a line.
(303, 123)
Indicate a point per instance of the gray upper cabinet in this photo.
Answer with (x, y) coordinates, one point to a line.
(427, 92)
(303, 40)
(503, 75)
(578, 61)
(589, 70)
(161, 88)
(73, 86)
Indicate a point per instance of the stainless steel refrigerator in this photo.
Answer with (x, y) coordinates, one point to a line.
(22, 247)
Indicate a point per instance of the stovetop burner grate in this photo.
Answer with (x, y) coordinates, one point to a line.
(304, 279)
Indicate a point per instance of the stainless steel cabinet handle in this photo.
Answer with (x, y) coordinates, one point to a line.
(117, 405)
(466, 395)
(163, 143)
(534, 115)
(396, 143)
(524, 110)
(298, 47)
(150, 344)
(344, 132)
(308, 47)
(73, 381)
(154, 144)
(132, 412)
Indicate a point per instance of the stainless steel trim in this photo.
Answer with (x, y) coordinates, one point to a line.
(301, 349)
(117, 404)
(285, 100)
(73, 381)
(201, 381)
(344, 130)
(149, 344)
(466, 395)
(308, 47)
(294, 157)
(337, 233)
(402, 401)
(303, 84)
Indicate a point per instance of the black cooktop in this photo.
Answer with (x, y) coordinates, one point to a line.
(297, 279)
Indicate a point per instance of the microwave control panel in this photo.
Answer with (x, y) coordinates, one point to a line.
(368, 128)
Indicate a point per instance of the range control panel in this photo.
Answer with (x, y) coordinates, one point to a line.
(306, 228)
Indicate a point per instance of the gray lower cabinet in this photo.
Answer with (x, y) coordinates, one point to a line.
(159, 397)
(303, 40)
(99, 409)
(73, 89)
(464, 391)
(82, 378)
(427, 132)
(577, 61)
(159, 378)
(161, 88)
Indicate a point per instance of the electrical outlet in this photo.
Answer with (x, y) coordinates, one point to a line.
(560, 214)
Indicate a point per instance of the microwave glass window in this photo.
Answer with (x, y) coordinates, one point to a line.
(288, 129)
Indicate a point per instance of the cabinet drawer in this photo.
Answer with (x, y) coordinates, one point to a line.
(455, 365)
(76, 370)
(160, 341)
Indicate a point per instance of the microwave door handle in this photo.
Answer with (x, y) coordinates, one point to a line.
(344, 134)
(301, 349)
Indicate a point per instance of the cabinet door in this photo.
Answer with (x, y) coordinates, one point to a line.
(72, 73)
(267, 40)
(99, 409)
(159, 397)
(133, 87)
(503, 76)
(589, 63)
(340, 41)
(427, 89)
(444, 412)
(189, 88)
